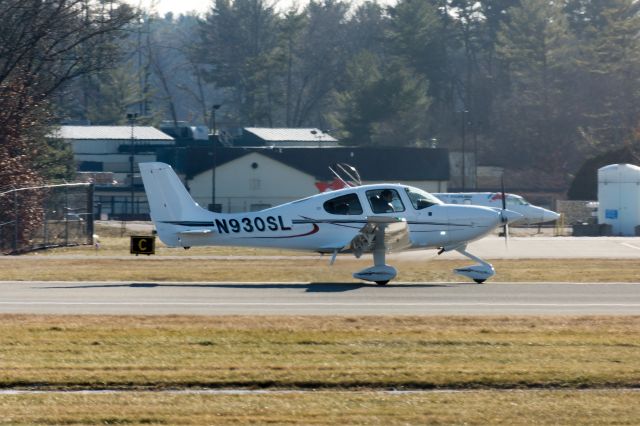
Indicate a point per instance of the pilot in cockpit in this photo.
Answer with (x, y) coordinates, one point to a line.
(382, 203)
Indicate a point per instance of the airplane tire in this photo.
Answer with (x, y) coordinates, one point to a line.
(382, 282)
(479, 281)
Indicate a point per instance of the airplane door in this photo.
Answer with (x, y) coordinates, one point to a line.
(386, 201)
(428, 220)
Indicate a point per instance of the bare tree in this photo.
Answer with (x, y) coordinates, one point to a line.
(43, 45)
(49, 43)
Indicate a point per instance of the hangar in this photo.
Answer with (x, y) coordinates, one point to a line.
(105, 154)
(258, 178)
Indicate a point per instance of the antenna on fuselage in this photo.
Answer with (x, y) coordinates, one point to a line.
(349, 172)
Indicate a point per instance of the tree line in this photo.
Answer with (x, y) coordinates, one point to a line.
(533, 84)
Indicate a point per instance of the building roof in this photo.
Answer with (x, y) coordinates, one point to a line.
(290, 135)
(387, 164)
(110, 132)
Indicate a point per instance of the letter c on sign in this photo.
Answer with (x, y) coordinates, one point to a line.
(142, 245)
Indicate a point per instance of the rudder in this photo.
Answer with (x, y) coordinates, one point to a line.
(169, 201)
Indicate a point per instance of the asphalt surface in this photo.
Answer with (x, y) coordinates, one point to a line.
(545, 247)
(320, 298)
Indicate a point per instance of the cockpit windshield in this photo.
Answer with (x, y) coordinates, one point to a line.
(516, 200)
(421, 199)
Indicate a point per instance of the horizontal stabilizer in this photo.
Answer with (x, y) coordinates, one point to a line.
(196, 232)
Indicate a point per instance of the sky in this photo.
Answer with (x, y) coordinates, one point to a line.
(202, 6)
(175, 6)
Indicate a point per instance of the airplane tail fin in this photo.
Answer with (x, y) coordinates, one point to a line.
(169, 202)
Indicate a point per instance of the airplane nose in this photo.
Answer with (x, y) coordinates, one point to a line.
(549, 216)
(509, 216)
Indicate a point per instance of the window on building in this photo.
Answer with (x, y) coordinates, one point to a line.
(90, 166)
(346, 205)
(254, 184)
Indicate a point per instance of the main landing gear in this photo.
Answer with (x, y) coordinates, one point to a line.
(380, 273)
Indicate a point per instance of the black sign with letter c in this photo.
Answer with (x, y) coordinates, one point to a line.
(143, 245)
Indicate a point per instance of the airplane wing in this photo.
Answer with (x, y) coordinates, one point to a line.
(381, 233)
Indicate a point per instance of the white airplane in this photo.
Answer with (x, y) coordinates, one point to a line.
(362, 219)
(530, 214)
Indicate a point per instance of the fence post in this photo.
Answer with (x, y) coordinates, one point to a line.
(90, 214)
(65, 216)
(45, 236)
(15, 221)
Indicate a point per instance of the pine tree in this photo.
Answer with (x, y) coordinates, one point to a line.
(421, 33)
(385, 104)
(239, 43)
(608, 65)
(532, 121)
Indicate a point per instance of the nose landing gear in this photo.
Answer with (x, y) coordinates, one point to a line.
(480, 272)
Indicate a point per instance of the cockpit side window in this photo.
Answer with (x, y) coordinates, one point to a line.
(385, 201)
(421, 199)
(516, 201)
(344, 205)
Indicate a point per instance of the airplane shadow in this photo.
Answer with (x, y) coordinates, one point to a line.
(314, 287)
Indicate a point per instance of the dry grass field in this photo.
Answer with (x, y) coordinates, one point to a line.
(304, 269)
(511, 370)
(319, 352)
(602, 407)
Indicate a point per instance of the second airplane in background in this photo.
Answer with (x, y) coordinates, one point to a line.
(531, 214)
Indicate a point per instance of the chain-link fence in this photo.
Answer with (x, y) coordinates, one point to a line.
(45, 216)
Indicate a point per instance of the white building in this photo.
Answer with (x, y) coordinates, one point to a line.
(258, 178)
(102, 150)
(285, 138)
(108, 148)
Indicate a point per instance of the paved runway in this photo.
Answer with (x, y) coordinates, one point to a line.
(548, 248)
(319, 298)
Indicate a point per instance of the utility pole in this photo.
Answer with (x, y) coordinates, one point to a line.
(464, 149)
(213, 137)
(132, 117)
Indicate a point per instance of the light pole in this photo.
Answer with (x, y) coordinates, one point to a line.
(213, 137)
(464, 149)
(132, 117)
(214, 108)
(474, 127)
